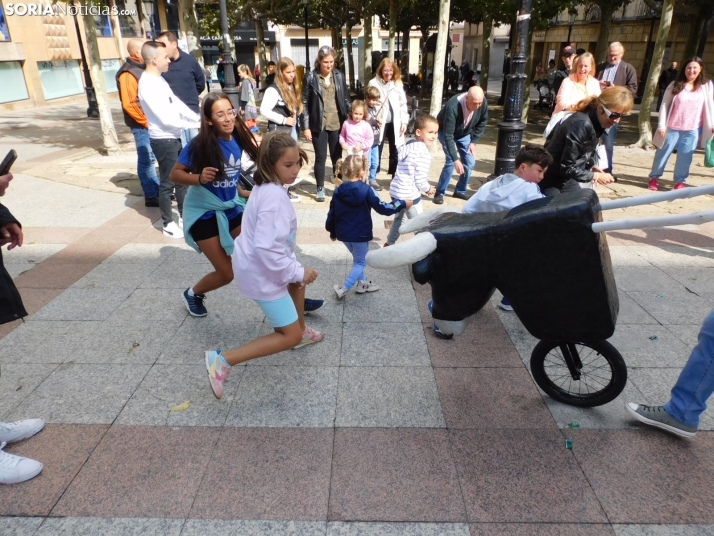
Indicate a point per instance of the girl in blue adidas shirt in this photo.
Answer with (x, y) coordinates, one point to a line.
(213, 208)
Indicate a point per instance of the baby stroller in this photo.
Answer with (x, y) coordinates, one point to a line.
(546, 96)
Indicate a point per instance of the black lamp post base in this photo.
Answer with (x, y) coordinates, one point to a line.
(93, 109)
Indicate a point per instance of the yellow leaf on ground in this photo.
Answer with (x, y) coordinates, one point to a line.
(181, 407)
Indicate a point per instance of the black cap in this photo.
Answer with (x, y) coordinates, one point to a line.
(568, 51)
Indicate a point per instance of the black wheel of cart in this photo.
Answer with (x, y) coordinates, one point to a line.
(584, 374)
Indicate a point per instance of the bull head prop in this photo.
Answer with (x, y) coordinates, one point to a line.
(542, 255)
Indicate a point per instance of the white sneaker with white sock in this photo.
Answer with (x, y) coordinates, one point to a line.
(17, 431)
(14, 469)
(172, 230)
(366, 286)
(180, 223)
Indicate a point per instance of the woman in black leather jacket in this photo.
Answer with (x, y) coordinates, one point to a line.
(326, 104)
(574, 141)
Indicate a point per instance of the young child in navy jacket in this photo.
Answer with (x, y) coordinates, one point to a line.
(350, 220)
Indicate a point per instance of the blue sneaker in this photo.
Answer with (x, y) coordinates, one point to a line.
(438, 332)
(506, 305)
(194, 303)
(312, 306)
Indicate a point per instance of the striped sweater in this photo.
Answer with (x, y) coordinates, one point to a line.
(412, 176)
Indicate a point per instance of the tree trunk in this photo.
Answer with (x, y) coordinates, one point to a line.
(423, 66)
(404, 52)
(529, 80)
(350, 63)
(367, 75)
(486, 52)
(188, 9)
(392, 27)
(437, 89)
(109, 135)
(262, 61)
(336, 32)
(690, 49)
(603, 37)
(645, 141)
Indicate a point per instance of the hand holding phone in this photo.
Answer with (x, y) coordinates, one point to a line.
(7, 162)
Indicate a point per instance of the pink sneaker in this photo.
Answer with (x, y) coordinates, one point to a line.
(679, 186)
(218, 371)
(310, 336)
(653, 185)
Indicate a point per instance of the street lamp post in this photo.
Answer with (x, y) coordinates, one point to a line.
(229, 87)
(305, 4)
(572, 15)
(93, 107)
(510, 130)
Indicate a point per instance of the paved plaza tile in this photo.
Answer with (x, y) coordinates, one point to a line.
(381, 429)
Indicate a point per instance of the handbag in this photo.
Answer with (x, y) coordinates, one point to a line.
(709, 156)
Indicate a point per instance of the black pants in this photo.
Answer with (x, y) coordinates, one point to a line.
(167, 152)
(321, 142)
(568, 186)
(393, 155)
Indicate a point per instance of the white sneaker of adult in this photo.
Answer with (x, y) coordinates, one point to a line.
(14, 469)
(172, 230)
(180, 223)
(16, 431)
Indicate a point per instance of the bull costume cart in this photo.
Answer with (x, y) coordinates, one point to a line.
(550, 258)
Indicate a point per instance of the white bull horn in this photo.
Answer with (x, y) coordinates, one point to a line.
(694, 218)
(425, 218)
(408, 252)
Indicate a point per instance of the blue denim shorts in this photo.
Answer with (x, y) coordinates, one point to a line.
(280, 312)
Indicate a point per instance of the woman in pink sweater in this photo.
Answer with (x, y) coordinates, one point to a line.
(356, 137)
(687, 105)
(580, 85)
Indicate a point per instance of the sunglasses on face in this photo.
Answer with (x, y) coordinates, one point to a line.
(232, 113)
(612, 115)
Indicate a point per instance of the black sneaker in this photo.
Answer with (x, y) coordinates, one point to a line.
(438, 199)
(312, 306)
(194, 303)
(151, 202)
(459, 195)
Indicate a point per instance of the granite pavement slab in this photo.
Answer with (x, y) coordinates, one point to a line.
(101, 526)
(384, 306)
(674, 308)
(18, 381)
(21, 526)
(82, 394)
(142, 253)
(168, 386)
(638, 349)
(404, 475)
(699, 280)
(522, 476)
(388, 397)
(645, 279)
(367, 344)
(341, 528)
(267, 473)
(84, 304)
(285, 396)
(231, 527)
(663, 530)
(541, 529)
(43, 341)
(116, 275)
(325, 353)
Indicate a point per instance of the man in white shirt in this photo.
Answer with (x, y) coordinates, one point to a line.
(167, 116)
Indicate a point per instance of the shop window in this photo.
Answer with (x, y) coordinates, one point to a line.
(13, 86)
(103, 22)
(130, 24)
(4, 30)
(109, 69)
(60, 78)
(172, 17)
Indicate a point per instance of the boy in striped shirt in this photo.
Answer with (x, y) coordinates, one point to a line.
(411, 179)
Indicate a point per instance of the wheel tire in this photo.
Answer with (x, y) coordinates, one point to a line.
(603, 375)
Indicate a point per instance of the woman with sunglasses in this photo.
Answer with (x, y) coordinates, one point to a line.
(687, 106)
(574, 141)
(392, 110)
(326, 103)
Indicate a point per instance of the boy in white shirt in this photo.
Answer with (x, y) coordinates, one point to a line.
(167, 116)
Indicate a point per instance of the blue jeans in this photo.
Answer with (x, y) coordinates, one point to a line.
(696, 381)
(187, 135)
(146, 160)
(467, 159)
(359, 252)
(685, 141)
(373, 163)
(608, 139)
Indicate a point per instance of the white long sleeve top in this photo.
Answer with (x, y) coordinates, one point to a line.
(271, 99)
(412, 176)
(166, 113)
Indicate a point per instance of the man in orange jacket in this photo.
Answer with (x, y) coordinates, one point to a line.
(128, 83)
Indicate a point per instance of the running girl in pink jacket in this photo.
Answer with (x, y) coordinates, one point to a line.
(264, 260)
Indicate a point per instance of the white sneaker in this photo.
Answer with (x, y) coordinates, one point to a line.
(366, 286)
(14, 469)
(16, 431)
(180, 223)
(340, 291)
(172, 230)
